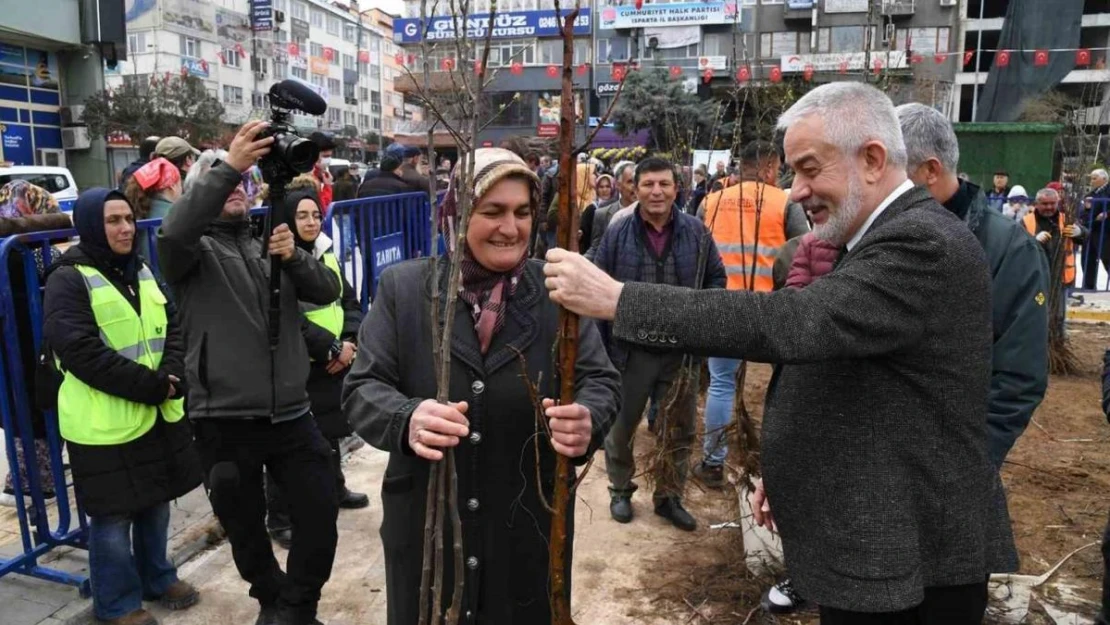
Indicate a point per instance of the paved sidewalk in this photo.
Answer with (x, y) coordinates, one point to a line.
(31, 601)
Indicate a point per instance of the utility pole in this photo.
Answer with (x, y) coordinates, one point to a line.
(978, 55)
(867, 40)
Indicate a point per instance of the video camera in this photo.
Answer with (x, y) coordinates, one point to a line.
(291, 153)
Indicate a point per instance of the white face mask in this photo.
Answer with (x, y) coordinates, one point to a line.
(326, 161)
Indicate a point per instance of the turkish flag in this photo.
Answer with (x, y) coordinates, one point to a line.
(517, 69)
(877, 66)
(970, 54)
(676, 71)
(399, 58)
(618, 72)
(239, 49)
(940, 58)
(1083, 57)
(329, 54)
(223, 60)
(204, 65)
(807, 73)
(294, 50)
(1040, 58)
(477, 67)
(411, 59)
(707, 75)
(639, 4)
(552, 71)
(447, 64)
(583, 68)
(743, 74)
(363, 56)
(1002, 59)
(776, 74)
(917, 59)
(843, 69)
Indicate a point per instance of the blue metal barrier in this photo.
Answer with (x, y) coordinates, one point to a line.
(1094, 215)
(382, 231)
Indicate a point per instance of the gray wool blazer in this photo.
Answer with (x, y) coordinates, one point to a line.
(874, 433)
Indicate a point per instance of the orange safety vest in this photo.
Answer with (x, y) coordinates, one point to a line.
(738, 237)
(1030, 221)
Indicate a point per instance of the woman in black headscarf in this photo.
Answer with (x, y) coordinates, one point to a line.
(120, 408)
(330, 333)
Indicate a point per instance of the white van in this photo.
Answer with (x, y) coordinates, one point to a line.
(57, 180)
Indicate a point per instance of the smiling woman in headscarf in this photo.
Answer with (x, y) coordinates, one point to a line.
(120, 407)
(329, 333)
(503, 317)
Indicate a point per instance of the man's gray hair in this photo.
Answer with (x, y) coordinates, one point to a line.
(1101, 173)
(619, 168)
(854, 113)
(1048, 194)
(928, 134)
(203, 163)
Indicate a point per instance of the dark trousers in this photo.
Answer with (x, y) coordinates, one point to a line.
(943, 605)
(1104, 616)
(299, 458)
(277, 507)
(1095, 250)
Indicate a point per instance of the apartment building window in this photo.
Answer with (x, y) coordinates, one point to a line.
(778, 44)
(316, 50)
(376, 46)
(518, 111)
(363, 121)
(363, 94)
(507, 52)
(333, 117)
(721, 44)
(376, 123)
(281, 70)
(770, 1)
(316, 18)
(348, 118)
(300, 10)
(280, 36)
(318, 80)
(299, 72)
(190, 47)
(231, 58)
(349, 90)
(233, 95)
(350, 33)
(281, 5)
(348, 62)
(141, 82)
(333, 25)
(845, 39)
(301, 41)
(609, 50)
(375, 71)
(334, 57)
(363, 70)
(136, 43)
(921, 40)
(334, 87)
(663, 54)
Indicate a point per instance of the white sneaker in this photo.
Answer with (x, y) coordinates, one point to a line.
(7, 500)
(782, 598)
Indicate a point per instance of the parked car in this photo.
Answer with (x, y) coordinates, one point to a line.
(57, 180)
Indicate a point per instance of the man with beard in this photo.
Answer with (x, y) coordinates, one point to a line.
(247, 399)
(874, 434)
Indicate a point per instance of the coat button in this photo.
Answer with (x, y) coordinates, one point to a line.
(472, 504)
(673, 339)
(653, 337)
(475, 438)
(478, 387)
(642, 335)
(472, 563)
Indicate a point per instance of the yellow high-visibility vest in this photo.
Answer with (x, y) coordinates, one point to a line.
(92, 417)
(329, 316)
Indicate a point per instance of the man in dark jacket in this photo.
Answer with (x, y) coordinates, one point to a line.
(247, 400)
(657, 244)
(1019, 277)
(388, 181)
(146, 149)
(874, 452)
(1000, 193)
(1095, 215)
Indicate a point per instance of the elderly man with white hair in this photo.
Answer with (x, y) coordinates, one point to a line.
(874, 435)
(1095, 216)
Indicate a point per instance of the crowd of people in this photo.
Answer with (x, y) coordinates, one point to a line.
(903, 307)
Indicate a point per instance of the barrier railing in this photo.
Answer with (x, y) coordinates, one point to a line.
(1093, 256)
(371, 234)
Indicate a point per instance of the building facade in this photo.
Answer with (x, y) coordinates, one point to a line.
(50, 54)
(241, 47)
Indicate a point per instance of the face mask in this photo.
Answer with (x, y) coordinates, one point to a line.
(326, 161)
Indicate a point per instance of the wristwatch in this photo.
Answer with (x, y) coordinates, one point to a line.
(335, 349)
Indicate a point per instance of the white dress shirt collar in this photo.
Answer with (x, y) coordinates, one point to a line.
(902, 188)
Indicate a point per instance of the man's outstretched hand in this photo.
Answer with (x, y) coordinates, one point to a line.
(580, 286)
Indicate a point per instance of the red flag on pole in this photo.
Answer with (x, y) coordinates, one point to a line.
(808, 73)
(477, 67)
(552, 71)
(329, 54)
(617, 72)
(639, 4)
(776, 74)
(940, 59)
(240, 51)
(970, 54)
(516, 68)
(294, 50)
(1002, 59)
(447, 64)
(1040, 58)
(399, 58)
(743, 74)
(1083, 57)
(363, 56)
(843, 69)
(877, 66)
(707, 75)
(917, 59)
(411, 59)
(676, 71)
(583, 69)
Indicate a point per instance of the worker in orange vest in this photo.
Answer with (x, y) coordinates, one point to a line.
(1046, 224)
(749, 221)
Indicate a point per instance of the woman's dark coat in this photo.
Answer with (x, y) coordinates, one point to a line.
(324, 388)
(160, 465)
(505, 526)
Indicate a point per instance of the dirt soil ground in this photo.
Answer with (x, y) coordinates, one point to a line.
(1057, 478)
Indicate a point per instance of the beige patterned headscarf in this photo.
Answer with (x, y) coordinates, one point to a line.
(491, 165)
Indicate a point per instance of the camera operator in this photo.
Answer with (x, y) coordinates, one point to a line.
(248, 401)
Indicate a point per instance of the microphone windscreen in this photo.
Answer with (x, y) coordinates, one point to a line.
(299, 96)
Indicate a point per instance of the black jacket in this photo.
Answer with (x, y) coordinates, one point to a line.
(323, 388)
(1019, 318)
(158, 466)
(506, 527)
(387, 183)
(874, 434)
(221, 281)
